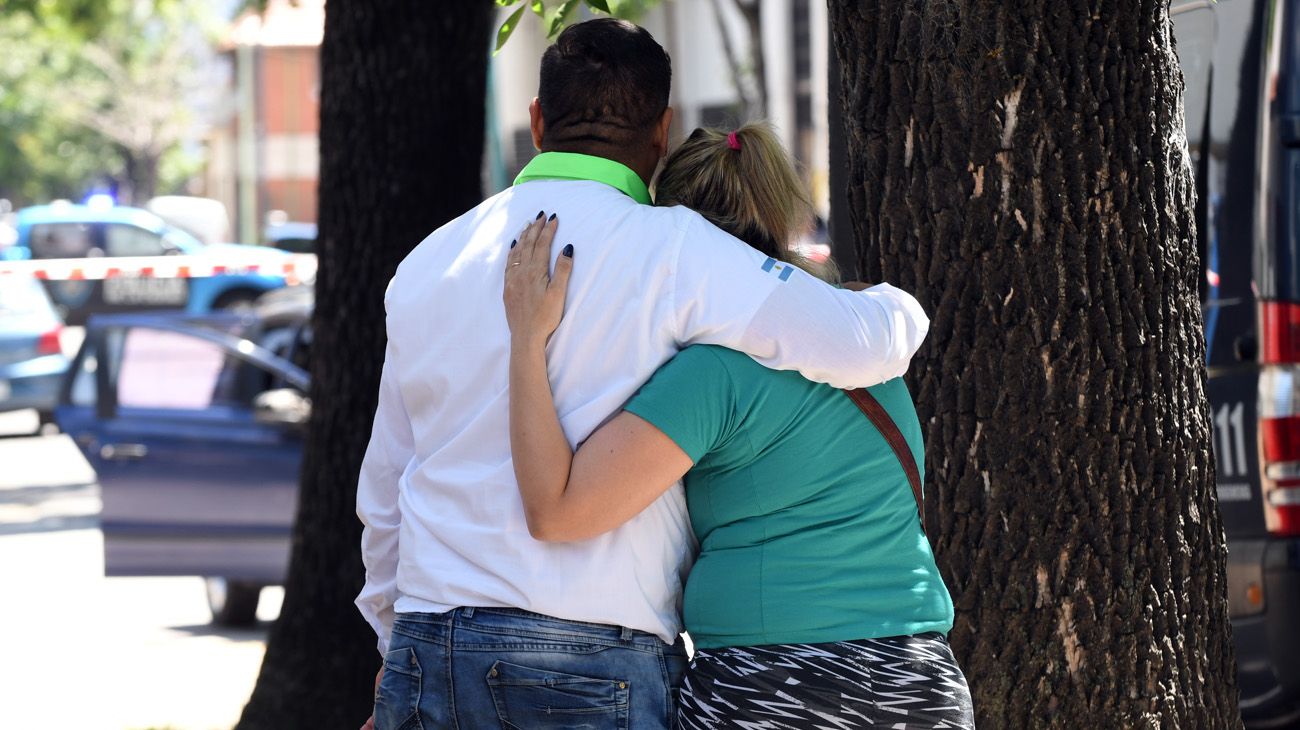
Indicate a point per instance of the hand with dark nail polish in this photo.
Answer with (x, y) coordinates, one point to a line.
(512, 243)
(548, 220)
(540, 213)
(534, 294)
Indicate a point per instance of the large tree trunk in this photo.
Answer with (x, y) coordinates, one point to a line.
(1020, 167)
(402, 114)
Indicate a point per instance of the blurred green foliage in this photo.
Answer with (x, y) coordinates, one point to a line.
(555, 14)
(102, 91)
(85, 15)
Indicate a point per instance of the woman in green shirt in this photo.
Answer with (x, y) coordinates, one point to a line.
(815, 599)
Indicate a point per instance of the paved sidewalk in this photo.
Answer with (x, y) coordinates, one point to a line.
(78, 650)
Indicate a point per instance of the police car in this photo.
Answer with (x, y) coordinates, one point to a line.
(101, 257)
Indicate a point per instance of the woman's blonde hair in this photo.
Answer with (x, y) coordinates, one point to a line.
(746, 185)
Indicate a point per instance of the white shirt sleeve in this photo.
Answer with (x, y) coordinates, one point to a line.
(726, 293)
(390, 451)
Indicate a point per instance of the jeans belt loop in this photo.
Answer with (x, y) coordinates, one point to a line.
(467, 612)
(626, 635)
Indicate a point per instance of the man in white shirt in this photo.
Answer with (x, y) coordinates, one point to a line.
(480, 625)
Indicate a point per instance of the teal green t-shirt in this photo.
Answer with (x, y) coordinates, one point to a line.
(808, 528)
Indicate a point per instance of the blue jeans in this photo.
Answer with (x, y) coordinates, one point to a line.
(506, 668)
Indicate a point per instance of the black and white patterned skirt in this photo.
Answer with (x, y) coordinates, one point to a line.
(901, 682)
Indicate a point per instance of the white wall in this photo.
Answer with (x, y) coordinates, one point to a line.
(515, 70)
(819, 166)
(778, 47)
(700, 74)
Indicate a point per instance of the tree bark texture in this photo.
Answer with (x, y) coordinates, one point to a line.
(402, 121)
(1021, 167)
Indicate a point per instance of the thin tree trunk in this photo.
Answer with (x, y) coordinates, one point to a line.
(140, 173)
(733, 61)
(1020, 167)
(402, 114)
(752, 12)
(144, 180)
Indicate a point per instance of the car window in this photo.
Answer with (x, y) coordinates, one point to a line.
(161, 369)
(278, 340)
(124, 240)
(82, 392)
(63, 241)
(171, 370)
(180, 240)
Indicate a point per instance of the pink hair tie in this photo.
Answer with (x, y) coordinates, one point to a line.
(733, 141)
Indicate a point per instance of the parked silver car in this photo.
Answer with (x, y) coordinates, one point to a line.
(31, 360)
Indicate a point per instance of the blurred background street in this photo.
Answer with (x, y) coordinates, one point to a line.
(166, 168)
(141, 652)
(166, 215)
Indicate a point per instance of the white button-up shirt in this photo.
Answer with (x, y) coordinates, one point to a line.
(444, 523)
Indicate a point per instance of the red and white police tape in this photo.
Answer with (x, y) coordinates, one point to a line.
(295, 268)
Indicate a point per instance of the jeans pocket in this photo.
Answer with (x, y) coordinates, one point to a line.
(538, 699)
(397, 703)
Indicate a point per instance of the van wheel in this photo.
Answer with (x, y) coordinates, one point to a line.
(239, 300)
(232, 602)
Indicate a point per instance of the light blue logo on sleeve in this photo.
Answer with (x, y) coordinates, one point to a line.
(781, 269)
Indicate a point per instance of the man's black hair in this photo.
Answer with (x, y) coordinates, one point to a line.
(603, 81)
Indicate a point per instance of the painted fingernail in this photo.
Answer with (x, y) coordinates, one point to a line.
(568, 250)
(548, 220)
(512, 243)
(540, 213)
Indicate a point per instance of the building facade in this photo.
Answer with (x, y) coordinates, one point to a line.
(265, 161)
(793, 37)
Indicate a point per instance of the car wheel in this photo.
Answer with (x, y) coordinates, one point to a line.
(232, 602)
(239, 300)
(46, 423)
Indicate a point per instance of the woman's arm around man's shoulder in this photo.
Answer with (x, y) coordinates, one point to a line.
(726, 293)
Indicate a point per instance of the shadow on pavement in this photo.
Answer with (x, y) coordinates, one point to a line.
(49, 508)
(52, 523)
(256, 632)
(37, 495)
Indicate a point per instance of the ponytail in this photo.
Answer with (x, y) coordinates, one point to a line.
(744, 183)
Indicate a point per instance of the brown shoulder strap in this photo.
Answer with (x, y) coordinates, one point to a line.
(867, 403)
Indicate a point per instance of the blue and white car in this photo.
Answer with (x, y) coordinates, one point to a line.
(105, 258)
(31, 360)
